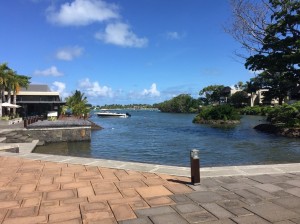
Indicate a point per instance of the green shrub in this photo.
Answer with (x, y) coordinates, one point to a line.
(52, 118)
(285, 115)
(256, 110)
(265, 111)
(5, 118)
(220, 112)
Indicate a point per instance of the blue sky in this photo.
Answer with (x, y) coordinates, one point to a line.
(121, 51)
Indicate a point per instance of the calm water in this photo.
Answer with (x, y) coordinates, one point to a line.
(163, 138)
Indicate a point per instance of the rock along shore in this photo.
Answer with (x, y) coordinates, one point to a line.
(283, 131)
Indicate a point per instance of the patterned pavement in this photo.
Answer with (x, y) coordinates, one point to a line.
(36, 191)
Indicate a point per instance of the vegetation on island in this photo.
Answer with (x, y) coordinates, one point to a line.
(127, 106)
(285, 115)
(220, 114)
(10, 82)
(182, 103)
(284, 120)
(257, 110)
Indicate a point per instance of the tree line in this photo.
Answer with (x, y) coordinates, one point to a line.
(127, 106)
(182, 103)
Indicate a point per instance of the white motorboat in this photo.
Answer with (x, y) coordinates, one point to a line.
(113, 114)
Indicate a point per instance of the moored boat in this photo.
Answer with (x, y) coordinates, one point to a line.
(113, 114)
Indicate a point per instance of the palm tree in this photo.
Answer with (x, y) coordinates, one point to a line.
(77, 103)
(11, 82)
(76, 98)
(20, 81)
(3, 83)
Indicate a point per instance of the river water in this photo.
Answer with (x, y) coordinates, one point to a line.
(164, 138)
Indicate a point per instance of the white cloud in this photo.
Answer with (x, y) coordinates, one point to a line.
(59, 87)
(173, 35)
(82, 12)
(152, 92)
(52, 71)
(93, 89)
(69, 53)
(121, 35)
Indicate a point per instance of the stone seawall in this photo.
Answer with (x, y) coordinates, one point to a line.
(67, 134)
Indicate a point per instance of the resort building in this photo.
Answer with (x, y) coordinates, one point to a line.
(255, 98)
(38, 100)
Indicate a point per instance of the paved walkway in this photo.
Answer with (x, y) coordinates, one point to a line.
(40, 191)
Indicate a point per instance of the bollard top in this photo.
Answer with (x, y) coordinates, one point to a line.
(195, 154)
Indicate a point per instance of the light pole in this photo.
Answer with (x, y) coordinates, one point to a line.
(195, 172)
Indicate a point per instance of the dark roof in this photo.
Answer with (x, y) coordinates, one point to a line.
(37, 88)
(40, 102)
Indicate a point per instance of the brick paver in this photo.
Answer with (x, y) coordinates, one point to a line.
(49, 192)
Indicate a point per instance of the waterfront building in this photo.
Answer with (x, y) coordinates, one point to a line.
(38, 100)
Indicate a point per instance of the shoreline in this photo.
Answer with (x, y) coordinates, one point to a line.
(280, 131)
(241, 170)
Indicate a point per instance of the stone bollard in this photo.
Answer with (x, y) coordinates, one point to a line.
(195, 172)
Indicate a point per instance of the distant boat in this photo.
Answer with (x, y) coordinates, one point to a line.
(113, 114)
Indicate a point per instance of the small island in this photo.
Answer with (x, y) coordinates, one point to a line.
(283, 120)
(220, 115)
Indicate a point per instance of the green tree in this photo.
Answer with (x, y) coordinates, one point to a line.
(13, 84)
(239, 99)
(220, 112)
(239, 86)
(21, 81)
(3, 83)
(279, 57)
(286, 115)
(77, 103)
(182, 103)
(211, 94)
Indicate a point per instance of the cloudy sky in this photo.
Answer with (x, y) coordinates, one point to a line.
(121, 51)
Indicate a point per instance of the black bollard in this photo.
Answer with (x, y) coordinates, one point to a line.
(195, 172)
(25, 122)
